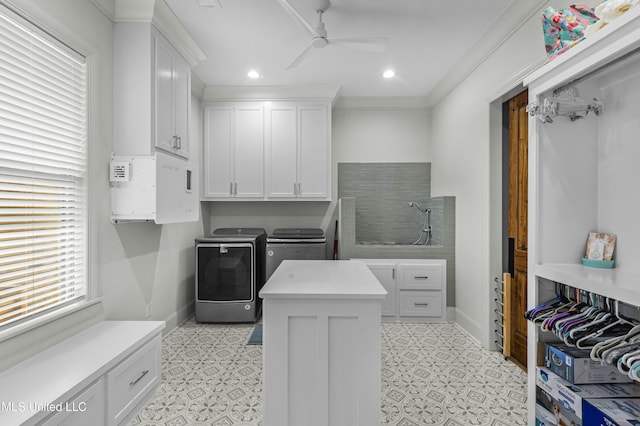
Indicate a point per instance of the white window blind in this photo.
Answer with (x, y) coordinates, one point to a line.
(43, 137)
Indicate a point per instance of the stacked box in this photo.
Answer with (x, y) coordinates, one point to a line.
(566, 400)
(559, 414)
(576, 366)
(544, 417)
(612, 412)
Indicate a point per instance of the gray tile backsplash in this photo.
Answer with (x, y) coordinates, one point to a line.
(382, 192)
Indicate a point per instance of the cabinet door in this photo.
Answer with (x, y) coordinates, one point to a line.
(281, 152)
(219, 155)
(313, 151)
(249, 151)
(182, 105)
(87, 408)
(164, 115)
(385, 273)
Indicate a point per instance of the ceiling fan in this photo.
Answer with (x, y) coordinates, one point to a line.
(319, 34)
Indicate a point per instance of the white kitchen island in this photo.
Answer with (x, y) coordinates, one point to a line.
(321, 344)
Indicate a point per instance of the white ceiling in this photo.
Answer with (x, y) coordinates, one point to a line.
(426, 38)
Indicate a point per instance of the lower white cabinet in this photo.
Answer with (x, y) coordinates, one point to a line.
(131, 380)
(103, 375)
(386, 274)
(416, 288)
(87, 408)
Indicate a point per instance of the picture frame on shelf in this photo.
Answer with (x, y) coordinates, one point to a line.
(599, 251)
(600, 246)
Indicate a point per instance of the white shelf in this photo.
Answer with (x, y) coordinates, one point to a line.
(608, 43)
(620, 284)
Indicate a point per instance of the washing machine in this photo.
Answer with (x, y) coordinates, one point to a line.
(230, 271)
(294, 243)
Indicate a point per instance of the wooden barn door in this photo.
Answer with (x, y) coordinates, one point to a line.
(517, 225)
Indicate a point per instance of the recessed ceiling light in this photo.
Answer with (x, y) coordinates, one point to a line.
(389, 74)
(253, 74)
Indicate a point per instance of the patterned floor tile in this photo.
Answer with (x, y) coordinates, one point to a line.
(432, 374)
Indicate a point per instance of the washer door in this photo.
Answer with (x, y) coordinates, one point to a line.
(225, 272)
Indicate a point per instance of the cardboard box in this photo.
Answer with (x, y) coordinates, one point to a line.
(612, 412)
(568, 399)
(544, 417)
(561, 415)
(576, 366)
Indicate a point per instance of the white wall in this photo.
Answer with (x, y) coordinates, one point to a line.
(131, 264)
(464, 143)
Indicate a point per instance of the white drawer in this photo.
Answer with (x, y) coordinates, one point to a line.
(415, 303)
(87, 408)
(420, 277)
(132, 380)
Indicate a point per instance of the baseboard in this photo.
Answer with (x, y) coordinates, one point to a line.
(469, 326)
(451, 314)
(178, 317)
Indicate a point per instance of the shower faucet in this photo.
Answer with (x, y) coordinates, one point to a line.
(419, 207)
(425, 232)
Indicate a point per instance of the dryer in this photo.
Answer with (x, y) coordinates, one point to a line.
(230, 271)
(294, 243)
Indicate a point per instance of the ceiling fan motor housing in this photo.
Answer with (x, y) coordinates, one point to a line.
(319, 42)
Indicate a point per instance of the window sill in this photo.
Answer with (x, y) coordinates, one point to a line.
(46, 319)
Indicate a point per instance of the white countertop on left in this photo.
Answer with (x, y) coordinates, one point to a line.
(323, 279)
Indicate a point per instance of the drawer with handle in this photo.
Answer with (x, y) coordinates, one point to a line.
(420, 277)
(421, 303)
(133, 380)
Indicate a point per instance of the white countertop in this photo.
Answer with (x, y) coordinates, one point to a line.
(323, 279)
(58, 373)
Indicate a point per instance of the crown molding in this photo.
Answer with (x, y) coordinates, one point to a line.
(158, 13)
(383, 103)
(270, 93)
(503, 28)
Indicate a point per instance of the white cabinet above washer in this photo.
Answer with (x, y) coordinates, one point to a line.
(233, 151)
(274, 151)
(298, 151)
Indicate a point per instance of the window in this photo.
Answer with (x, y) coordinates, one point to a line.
(43, 139)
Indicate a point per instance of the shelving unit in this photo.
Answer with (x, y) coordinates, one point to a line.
(583, 174)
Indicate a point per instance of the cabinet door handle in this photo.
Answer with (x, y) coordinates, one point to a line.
(295, 188)
(230, 188)
(134, 382)
(179, 140)
(393, 273)
(421, 277)
(235, 188)
(420, 304)
(299, 189)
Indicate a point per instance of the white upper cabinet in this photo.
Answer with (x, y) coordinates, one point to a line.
(172, 77)
(298, 151)
(152, 92)
(233, 151)
(267, 150)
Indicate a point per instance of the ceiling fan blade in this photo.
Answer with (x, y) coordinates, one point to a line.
(298, 18)
(368, 44)
(306, 52)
